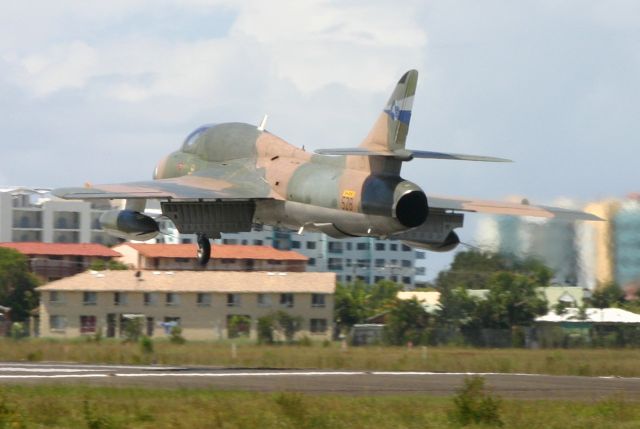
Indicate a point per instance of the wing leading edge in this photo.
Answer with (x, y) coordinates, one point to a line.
(505, 208)
(206, 185)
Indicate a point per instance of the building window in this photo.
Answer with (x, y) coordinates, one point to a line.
(311, 245)
(406, 280)
(406, 248)
(258, 242)
(363, 263)
(377, 279)
(349, 246)
(186, 241)
(119, 298)
(318, 300)
(245, 242)
(89, 298)
(348, 279)
(362, 246)
(55, 297)
(87, 324)
(335, 247)
(233, 300)
(335, 264)
(380, 246)
(172, 299)
(311, 262)
(264, 300)
(286, 299)
(203, 299)
(406, 264)
(150, 298)
(295, 244)
(318, 326)
(393, 247)
(57, 323)
(379, 263)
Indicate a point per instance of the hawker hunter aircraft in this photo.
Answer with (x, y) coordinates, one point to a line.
(229, 177)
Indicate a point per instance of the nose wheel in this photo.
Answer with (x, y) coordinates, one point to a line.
(204, 249)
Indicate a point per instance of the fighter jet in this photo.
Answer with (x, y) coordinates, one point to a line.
(232, 176)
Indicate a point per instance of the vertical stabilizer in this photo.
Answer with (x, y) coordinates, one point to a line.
(389, 133)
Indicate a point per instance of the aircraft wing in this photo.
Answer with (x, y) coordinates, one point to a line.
(506, 208)
(222, 182)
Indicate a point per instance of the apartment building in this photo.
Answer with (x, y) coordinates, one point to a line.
(365, 258)
(223, 257)
(34, 215)
(207, 305)
(613, 251)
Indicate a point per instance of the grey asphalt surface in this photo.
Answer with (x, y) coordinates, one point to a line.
(517, 386)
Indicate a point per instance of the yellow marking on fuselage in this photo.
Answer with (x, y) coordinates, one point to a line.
(348, 193)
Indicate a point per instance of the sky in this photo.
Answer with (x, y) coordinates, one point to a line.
(99, 91)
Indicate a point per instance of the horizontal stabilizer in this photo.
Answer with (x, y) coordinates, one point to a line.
(408, 154)
(506, 208)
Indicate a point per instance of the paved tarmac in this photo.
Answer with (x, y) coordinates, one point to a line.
(520, 386)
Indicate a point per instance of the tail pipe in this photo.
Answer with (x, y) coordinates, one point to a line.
(411, 207)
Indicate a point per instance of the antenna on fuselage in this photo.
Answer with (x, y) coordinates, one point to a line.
(263, 123)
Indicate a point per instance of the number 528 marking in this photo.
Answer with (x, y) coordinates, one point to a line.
(346, 202)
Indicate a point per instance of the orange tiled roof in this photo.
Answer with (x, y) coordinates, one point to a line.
(196, 281)
(62, 249)
(218, 251)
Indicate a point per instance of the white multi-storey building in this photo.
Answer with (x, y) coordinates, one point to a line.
(34, 215)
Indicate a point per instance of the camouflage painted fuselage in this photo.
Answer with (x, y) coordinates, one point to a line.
(338, 195)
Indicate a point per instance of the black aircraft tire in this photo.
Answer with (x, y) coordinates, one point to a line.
(204, 249)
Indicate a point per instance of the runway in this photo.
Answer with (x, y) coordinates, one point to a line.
(517, 386)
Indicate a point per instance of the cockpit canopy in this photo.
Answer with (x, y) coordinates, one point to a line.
(223, 142)
(190, 143)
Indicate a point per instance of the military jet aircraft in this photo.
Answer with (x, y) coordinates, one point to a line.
(229, 177)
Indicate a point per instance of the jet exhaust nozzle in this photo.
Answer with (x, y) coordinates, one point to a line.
(411, 207)
(129, 224)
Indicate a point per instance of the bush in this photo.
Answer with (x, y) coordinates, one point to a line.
(265, 329)
(474, 405)
(146, 344)
(132, 329)
(176, 336)
(18, 331)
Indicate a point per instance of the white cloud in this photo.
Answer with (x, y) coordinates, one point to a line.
(313, 44)
(317, 43)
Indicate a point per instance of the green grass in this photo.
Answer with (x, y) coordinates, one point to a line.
(99, 408)
(589, 362)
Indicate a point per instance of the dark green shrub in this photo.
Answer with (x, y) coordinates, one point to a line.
(473, 405)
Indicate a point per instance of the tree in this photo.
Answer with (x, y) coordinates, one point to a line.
(407, 321)
(456, 307)
(17, 284)
(351, 304)
(608, 295)
(382, 296)
(473, 270)
(356, 302)
(470, 270)
(513, 300)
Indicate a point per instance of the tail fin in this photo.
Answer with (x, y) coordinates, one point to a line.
(389, 133)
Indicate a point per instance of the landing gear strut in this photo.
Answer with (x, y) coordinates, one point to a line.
(204, 249)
